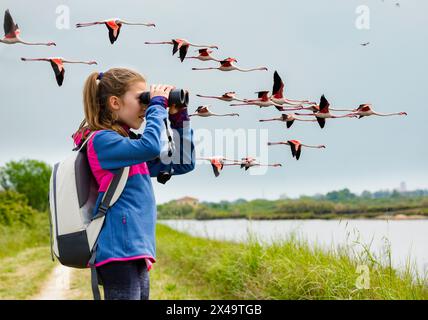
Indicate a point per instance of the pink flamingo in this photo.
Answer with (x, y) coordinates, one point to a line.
(324, 113)
(249, 162)
(12, 32)
(296, 147)
(264, 101)
(365, 110)
(113, 25)
(227, 65)
(182, 45)
(278, 93)
(288, 119)
(218, 163)
(58, 66)
(228, 97)
(203, 111)
(204, 55)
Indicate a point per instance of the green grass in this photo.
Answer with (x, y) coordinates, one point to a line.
(23, 275)
(196, 268)
(16, 238)
(25, 260)
(290, 269)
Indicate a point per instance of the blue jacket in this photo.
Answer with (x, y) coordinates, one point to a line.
(129, 227)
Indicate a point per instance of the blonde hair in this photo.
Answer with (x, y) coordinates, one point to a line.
(96, 93)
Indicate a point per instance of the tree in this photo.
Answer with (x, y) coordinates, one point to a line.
(341, 195)
(30, 178)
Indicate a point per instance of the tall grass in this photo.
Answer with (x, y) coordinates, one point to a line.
(287, 269)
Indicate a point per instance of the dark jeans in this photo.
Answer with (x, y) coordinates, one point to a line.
(125, 280)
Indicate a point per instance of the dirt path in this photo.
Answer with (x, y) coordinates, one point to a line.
(57, 286)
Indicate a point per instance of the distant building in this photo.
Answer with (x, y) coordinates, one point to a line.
(187, 201)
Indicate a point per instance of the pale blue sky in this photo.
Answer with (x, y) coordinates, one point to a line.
(314, 45)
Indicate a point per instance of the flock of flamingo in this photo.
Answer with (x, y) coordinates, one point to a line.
(320, 112)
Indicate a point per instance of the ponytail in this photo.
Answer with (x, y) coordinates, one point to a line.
(96, 92)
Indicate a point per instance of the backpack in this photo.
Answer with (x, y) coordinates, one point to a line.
(73, 192)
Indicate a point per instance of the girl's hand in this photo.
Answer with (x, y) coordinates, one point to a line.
(173, 109)
(160, 90)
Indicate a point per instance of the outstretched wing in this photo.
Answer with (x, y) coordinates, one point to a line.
(59, 71)
(289, 124)
(293, 148)
(10, 28)
(278, 86)
(324, 104)
(183, 52)
(321, 122)
(175, 47)
(217, 167)
(113, 30)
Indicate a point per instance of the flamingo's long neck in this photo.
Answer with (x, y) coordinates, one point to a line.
(204, 68)
(211, 97)
(33, 43)
(274, 119)
(200, 46)
(276, 143)
(164, 42)
(387, 114)
(314, 147)
(249, 70)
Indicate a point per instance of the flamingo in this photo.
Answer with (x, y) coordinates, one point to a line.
(228, 97)
(249, 162)
(365, 110)
(296, 147)
(12, 32)
(203, 111)
(182, 45)
(218, 163)
(58, 66)
(324, 113)
(278, 93)
(264, 101)
(288, 118)
(113, 25)
(204, 55)
(227, 65)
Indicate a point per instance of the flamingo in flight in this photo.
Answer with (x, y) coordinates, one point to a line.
(113, 25)
(228, 97)
(365, 110)
(296, 147)
(204, 112)
(182, 45)
(278, 93)
(204, 55)
(227, 65)
(12, 32)
(287, 118)
(324, 113)
(264, 101)
(58, 66)
(249, 162)
(218, 163)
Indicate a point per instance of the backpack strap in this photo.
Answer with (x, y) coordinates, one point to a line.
(102, 210)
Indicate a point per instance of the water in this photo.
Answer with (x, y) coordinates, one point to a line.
(407, 239)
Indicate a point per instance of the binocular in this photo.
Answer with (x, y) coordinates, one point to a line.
(179, 97)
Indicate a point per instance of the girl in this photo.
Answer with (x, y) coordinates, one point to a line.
(126, 244)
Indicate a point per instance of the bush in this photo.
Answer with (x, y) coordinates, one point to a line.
(30, 178)
(14, 209)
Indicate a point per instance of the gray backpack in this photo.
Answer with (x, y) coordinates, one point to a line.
(73, 192)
